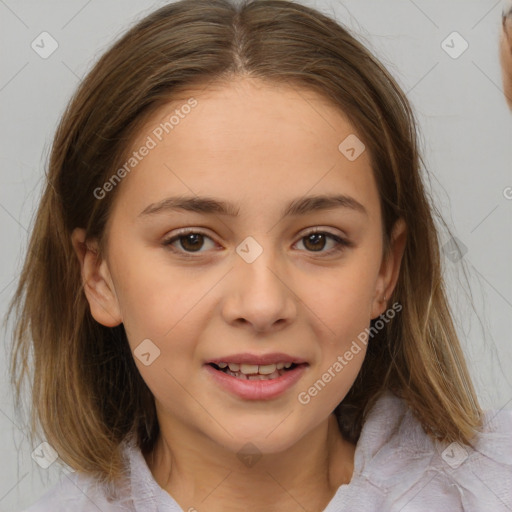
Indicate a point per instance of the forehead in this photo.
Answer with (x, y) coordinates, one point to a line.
(249, 142)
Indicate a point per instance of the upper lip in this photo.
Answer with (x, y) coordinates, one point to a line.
(259, 359)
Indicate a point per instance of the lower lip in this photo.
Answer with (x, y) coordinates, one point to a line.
(257, 389)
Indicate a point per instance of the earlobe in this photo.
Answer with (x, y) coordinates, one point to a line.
(390, 269)
(97, 282)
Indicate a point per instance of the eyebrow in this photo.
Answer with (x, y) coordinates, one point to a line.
(210, 205)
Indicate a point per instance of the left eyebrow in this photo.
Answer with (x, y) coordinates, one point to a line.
(210, 205)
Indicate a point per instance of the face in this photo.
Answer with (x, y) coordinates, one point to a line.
(256, 283)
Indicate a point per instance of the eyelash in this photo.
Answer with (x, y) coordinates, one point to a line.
(341, 243)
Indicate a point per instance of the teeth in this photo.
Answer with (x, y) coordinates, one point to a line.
(238, 375)
(267, 369)
(251, 369)
(247, 368)
(243, 376)
(254, 371)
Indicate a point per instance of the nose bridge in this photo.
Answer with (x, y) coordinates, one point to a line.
(259, 293)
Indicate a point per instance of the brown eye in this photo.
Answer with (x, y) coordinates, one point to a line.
(189, 242)
(316, 241)
(192, 242)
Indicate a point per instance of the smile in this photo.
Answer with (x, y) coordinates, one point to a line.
(254, 371)
(253, 377)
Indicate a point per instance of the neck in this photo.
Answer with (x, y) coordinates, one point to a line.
(200, 474)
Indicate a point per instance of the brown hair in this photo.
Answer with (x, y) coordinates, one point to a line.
(506, 55)
(87, 393)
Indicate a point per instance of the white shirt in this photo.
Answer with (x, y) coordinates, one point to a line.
(397, 467)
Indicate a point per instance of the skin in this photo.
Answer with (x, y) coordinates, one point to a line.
(506, 58)
(259, 146)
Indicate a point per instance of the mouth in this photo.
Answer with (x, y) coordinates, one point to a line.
(246, 371)
(256, 377)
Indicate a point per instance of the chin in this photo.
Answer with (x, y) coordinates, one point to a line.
(267, 437)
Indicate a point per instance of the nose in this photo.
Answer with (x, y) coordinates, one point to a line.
(259, 294)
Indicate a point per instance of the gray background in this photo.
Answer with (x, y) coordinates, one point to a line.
(466, 134)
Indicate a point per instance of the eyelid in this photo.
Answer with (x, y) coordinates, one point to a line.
(321, 229)
(341, 240)
(168, 239)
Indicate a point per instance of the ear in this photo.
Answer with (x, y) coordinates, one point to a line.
(98, 286)
(390, 269)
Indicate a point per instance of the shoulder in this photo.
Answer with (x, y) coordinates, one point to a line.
(413, 472)
(137, 490)
(80, 492)
(65, 495)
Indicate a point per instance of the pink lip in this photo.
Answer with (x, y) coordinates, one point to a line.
(247, 358)
(257, 389)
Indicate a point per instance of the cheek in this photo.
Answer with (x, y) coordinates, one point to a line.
(164, 305)
(343, 304)
(154, 298)
(330, 380)
(343, 298)
(161, 326)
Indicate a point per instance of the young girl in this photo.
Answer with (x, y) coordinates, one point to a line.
(233, 298)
